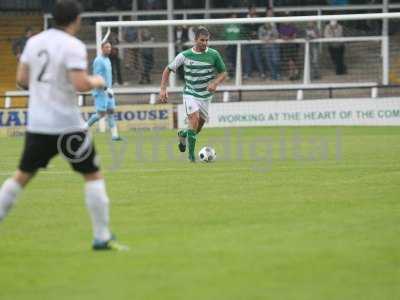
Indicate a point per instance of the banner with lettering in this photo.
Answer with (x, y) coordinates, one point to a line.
(13, 121)
(368, 112)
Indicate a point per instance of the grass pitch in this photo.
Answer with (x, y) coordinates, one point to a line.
(284, 213)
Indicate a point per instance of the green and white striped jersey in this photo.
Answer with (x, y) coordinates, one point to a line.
(200, 69)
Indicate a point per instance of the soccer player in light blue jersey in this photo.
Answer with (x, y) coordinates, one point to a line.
(104, 98)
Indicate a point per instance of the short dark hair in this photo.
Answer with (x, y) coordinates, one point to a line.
(66, 11)
(201, 30)
(106, 42)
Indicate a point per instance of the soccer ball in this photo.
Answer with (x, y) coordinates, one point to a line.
(207, 154)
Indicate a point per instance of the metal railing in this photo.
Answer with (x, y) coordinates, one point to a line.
(384, 39)
(225, 89)
(222, 12)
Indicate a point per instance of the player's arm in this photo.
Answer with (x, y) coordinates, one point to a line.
(76, 63)
(100, 69)
(173, 66)
(221, 69)
(23, 68)
(217, 81)
(23, 76)
(84, 82)
(164, 84)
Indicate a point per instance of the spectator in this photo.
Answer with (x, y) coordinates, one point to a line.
(336, 49)
(288, 32)
(19, 44)
(131, 58)
(231, 33)
(181, 37)
(252, 51)
(312, 32)
(270, 51)
(191, 33)
(115, 60)
(146, 54)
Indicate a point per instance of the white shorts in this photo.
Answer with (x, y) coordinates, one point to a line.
(192, 105)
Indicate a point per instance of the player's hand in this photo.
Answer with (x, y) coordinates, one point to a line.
(97, 81)
(109, 92)
(212, 87)
(163, 95)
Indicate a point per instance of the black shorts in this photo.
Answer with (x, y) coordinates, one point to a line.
(76, 147)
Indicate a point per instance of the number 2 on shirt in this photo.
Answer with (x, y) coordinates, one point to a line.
(46, 62)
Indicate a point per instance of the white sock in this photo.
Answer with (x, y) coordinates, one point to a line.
(114, 131)
(8, 196)
(97, 204)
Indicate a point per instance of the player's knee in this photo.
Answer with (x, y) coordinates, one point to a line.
(22, 177)
(92, 176)
(194, 120)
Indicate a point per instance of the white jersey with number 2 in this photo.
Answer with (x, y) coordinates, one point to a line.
(53, 102)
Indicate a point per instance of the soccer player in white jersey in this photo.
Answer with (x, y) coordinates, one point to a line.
(104, 98)
(204, 70)
(53, 66)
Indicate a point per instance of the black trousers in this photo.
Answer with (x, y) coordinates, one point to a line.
(337, 56)
(116, 68)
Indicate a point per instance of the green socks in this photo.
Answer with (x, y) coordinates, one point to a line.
(183, 133)
(191, 135)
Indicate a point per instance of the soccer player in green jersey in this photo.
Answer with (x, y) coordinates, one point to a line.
(204, 70)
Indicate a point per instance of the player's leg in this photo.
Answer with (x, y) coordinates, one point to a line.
(192, 111)
(10, 190)
(201, 124)
(113, 126)
(182, 133)
(95, 117)
(96, 198)
(196, 122)
(111, 120)
(101, 109)
(182, 136)
(193, 120)
(97, 203)
(36, 154)
(203, 113)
